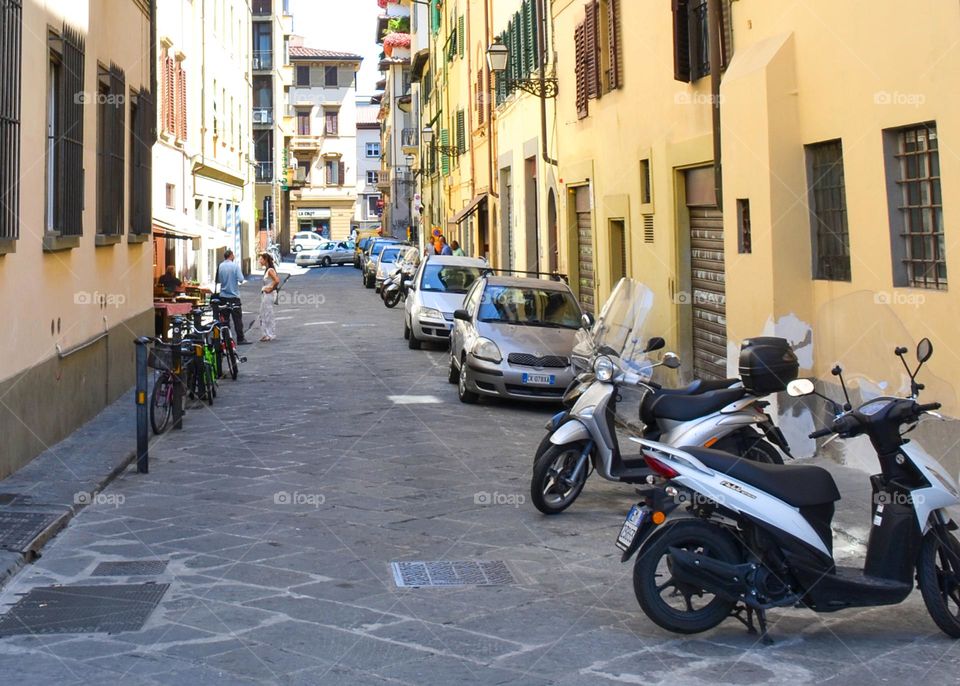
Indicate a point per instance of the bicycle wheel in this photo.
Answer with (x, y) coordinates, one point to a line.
(161, 404)
(211, 382)
(218, 359)
(233, 361)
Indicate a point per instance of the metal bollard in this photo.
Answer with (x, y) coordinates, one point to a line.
(143, 428)
(177, 364)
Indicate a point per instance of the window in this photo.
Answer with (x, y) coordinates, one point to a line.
(303, 76)
(111, 95)
(330, 77)
(168, 90)
(10, 57)
(691, 38)
(331, 122)
(303, 122)
(171, 190)
(65, 134)
(744, 237)
(180, 116)
(521, 38)
(611, 50)
(262, 46)
(335, 171)
(828, 211)
(461, 132)
(916, 207)
(373, 149)
(372, 177)
(646, 192)
(141, 146)
(373, 205)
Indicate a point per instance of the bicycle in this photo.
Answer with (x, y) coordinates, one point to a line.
(202, 371)
(226, 351)
(160, 358)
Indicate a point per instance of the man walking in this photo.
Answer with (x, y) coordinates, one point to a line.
(444, 248)
(230, 277)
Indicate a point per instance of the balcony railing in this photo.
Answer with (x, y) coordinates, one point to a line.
(409, 138)
(264, 172)
(262, 60)
(305, 142)
(262, 8)
(262, 115)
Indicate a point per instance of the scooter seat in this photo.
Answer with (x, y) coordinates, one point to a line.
(693, 388)
(683, 408)
(798, 485)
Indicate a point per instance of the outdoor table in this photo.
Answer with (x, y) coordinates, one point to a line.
(164, 310)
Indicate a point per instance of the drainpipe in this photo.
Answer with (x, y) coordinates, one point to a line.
(715, 19)
(542, 47)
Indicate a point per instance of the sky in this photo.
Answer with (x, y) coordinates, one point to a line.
(344, 25)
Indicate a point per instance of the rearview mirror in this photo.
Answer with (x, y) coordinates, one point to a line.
(462, 315)
(655, 343)
(924, 350)
(408, 285)
(586, 321)
(670, 360)
(800, 387)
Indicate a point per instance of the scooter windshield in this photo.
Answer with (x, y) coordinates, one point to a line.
(621, 325)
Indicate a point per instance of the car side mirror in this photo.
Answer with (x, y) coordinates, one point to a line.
(656, 343)
(800, 387)
(463, 316)
(408, 285)
(670, 360)
(924, 350)
(586, 321)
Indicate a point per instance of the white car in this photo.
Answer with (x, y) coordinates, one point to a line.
(435, 293)
(326, 254)
(307, 240)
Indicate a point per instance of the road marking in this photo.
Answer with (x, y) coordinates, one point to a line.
(414, 399)
(348, 325)
(280, 319)
(317, 323)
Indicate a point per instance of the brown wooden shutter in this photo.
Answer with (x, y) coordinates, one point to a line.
(580, 49)
(481, 100)
(681, 41)
(726, 33)
(181, 103)
(613, 32)
(341, 173)
(591, 32)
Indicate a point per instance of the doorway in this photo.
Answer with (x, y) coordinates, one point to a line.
(531, 218)
(586, 280)
(553, 248)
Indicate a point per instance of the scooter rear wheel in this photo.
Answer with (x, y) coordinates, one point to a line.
(676, 606)
(391, 299)
(551, 489)
(939, 577)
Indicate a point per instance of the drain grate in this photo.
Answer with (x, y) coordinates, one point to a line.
(451, 573)
(131, 568)
(18, 529)
(82, 609)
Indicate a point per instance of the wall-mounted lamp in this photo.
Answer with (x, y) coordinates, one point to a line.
(498, 55)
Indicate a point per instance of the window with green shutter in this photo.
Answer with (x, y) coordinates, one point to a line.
(444, 158)
(461, 35)
(461, 131)
(435, 17)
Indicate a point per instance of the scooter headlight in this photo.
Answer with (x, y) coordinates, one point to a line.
(604, 368)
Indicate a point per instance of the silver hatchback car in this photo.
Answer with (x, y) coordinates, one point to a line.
(436, 292)
(513, 338)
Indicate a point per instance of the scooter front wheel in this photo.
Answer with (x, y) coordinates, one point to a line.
(391, 299)
(938, 574)
(552, 486)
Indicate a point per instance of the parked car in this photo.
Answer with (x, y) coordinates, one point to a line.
(369, 259)
(326, 254)
(436, 292)
(307, 240)
(390, 257)
(363, 239)
(513, 338)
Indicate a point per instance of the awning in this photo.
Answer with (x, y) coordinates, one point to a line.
(469, 209)
(417, 64)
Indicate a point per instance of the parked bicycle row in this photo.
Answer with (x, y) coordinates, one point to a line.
(723, 529)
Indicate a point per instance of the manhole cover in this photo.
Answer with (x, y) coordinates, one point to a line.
(82, 609)
(18, 529)
(131, 568)
(451, 573)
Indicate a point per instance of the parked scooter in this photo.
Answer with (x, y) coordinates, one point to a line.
(728, 414)
(754, 536)
(392, 290)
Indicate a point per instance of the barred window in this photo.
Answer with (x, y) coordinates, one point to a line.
(111, 97)
(828, 212)
(921, 206)
(10, 57)
(141, 145)
(64, 163)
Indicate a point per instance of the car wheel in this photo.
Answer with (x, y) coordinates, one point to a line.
(297, 248)
(406, 331)
(453, 376)
(466, 396)
(413, 342)
(368, 282)
(325, 262)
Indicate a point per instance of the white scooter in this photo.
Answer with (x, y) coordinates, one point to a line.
(750, 537)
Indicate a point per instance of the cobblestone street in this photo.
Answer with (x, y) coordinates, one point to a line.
(339, 451)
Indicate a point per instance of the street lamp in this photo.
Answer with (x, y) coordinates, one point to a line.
(498, 55)
(426, 136)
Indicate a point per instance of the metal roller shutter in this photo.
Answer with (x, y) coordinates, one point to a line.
(708, 293)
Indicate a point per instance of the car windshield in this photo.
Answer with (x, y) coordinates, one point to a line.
(530, 306)
(363, 243)
(448, 278)
(378, 248)
(389, 255)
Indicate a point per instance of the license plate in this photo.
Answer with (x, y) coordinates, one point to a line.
(543, 379)
(631, 525)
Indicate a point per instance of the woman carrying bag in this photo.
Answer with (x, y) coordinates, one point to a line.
(271, 282)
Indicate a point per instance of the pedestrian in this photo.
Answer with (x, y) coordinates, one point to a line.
(271, 282)
(444, 248)
(457, 250)
(229, 278)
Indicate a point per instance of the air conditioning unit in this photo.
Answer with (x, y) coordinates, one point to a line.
(261, 116)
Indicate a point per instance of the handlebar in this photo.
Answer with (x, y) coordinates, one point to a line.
(928, 407)
(821, 433)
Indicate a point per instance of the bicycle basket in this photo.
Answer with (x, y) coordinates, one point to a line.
(160, 357)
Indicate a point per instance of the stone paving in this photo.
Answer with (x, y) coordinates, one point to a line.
(280, 509)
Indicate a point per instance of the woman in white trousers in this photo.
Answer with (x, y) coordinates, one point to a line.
(268, 322)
